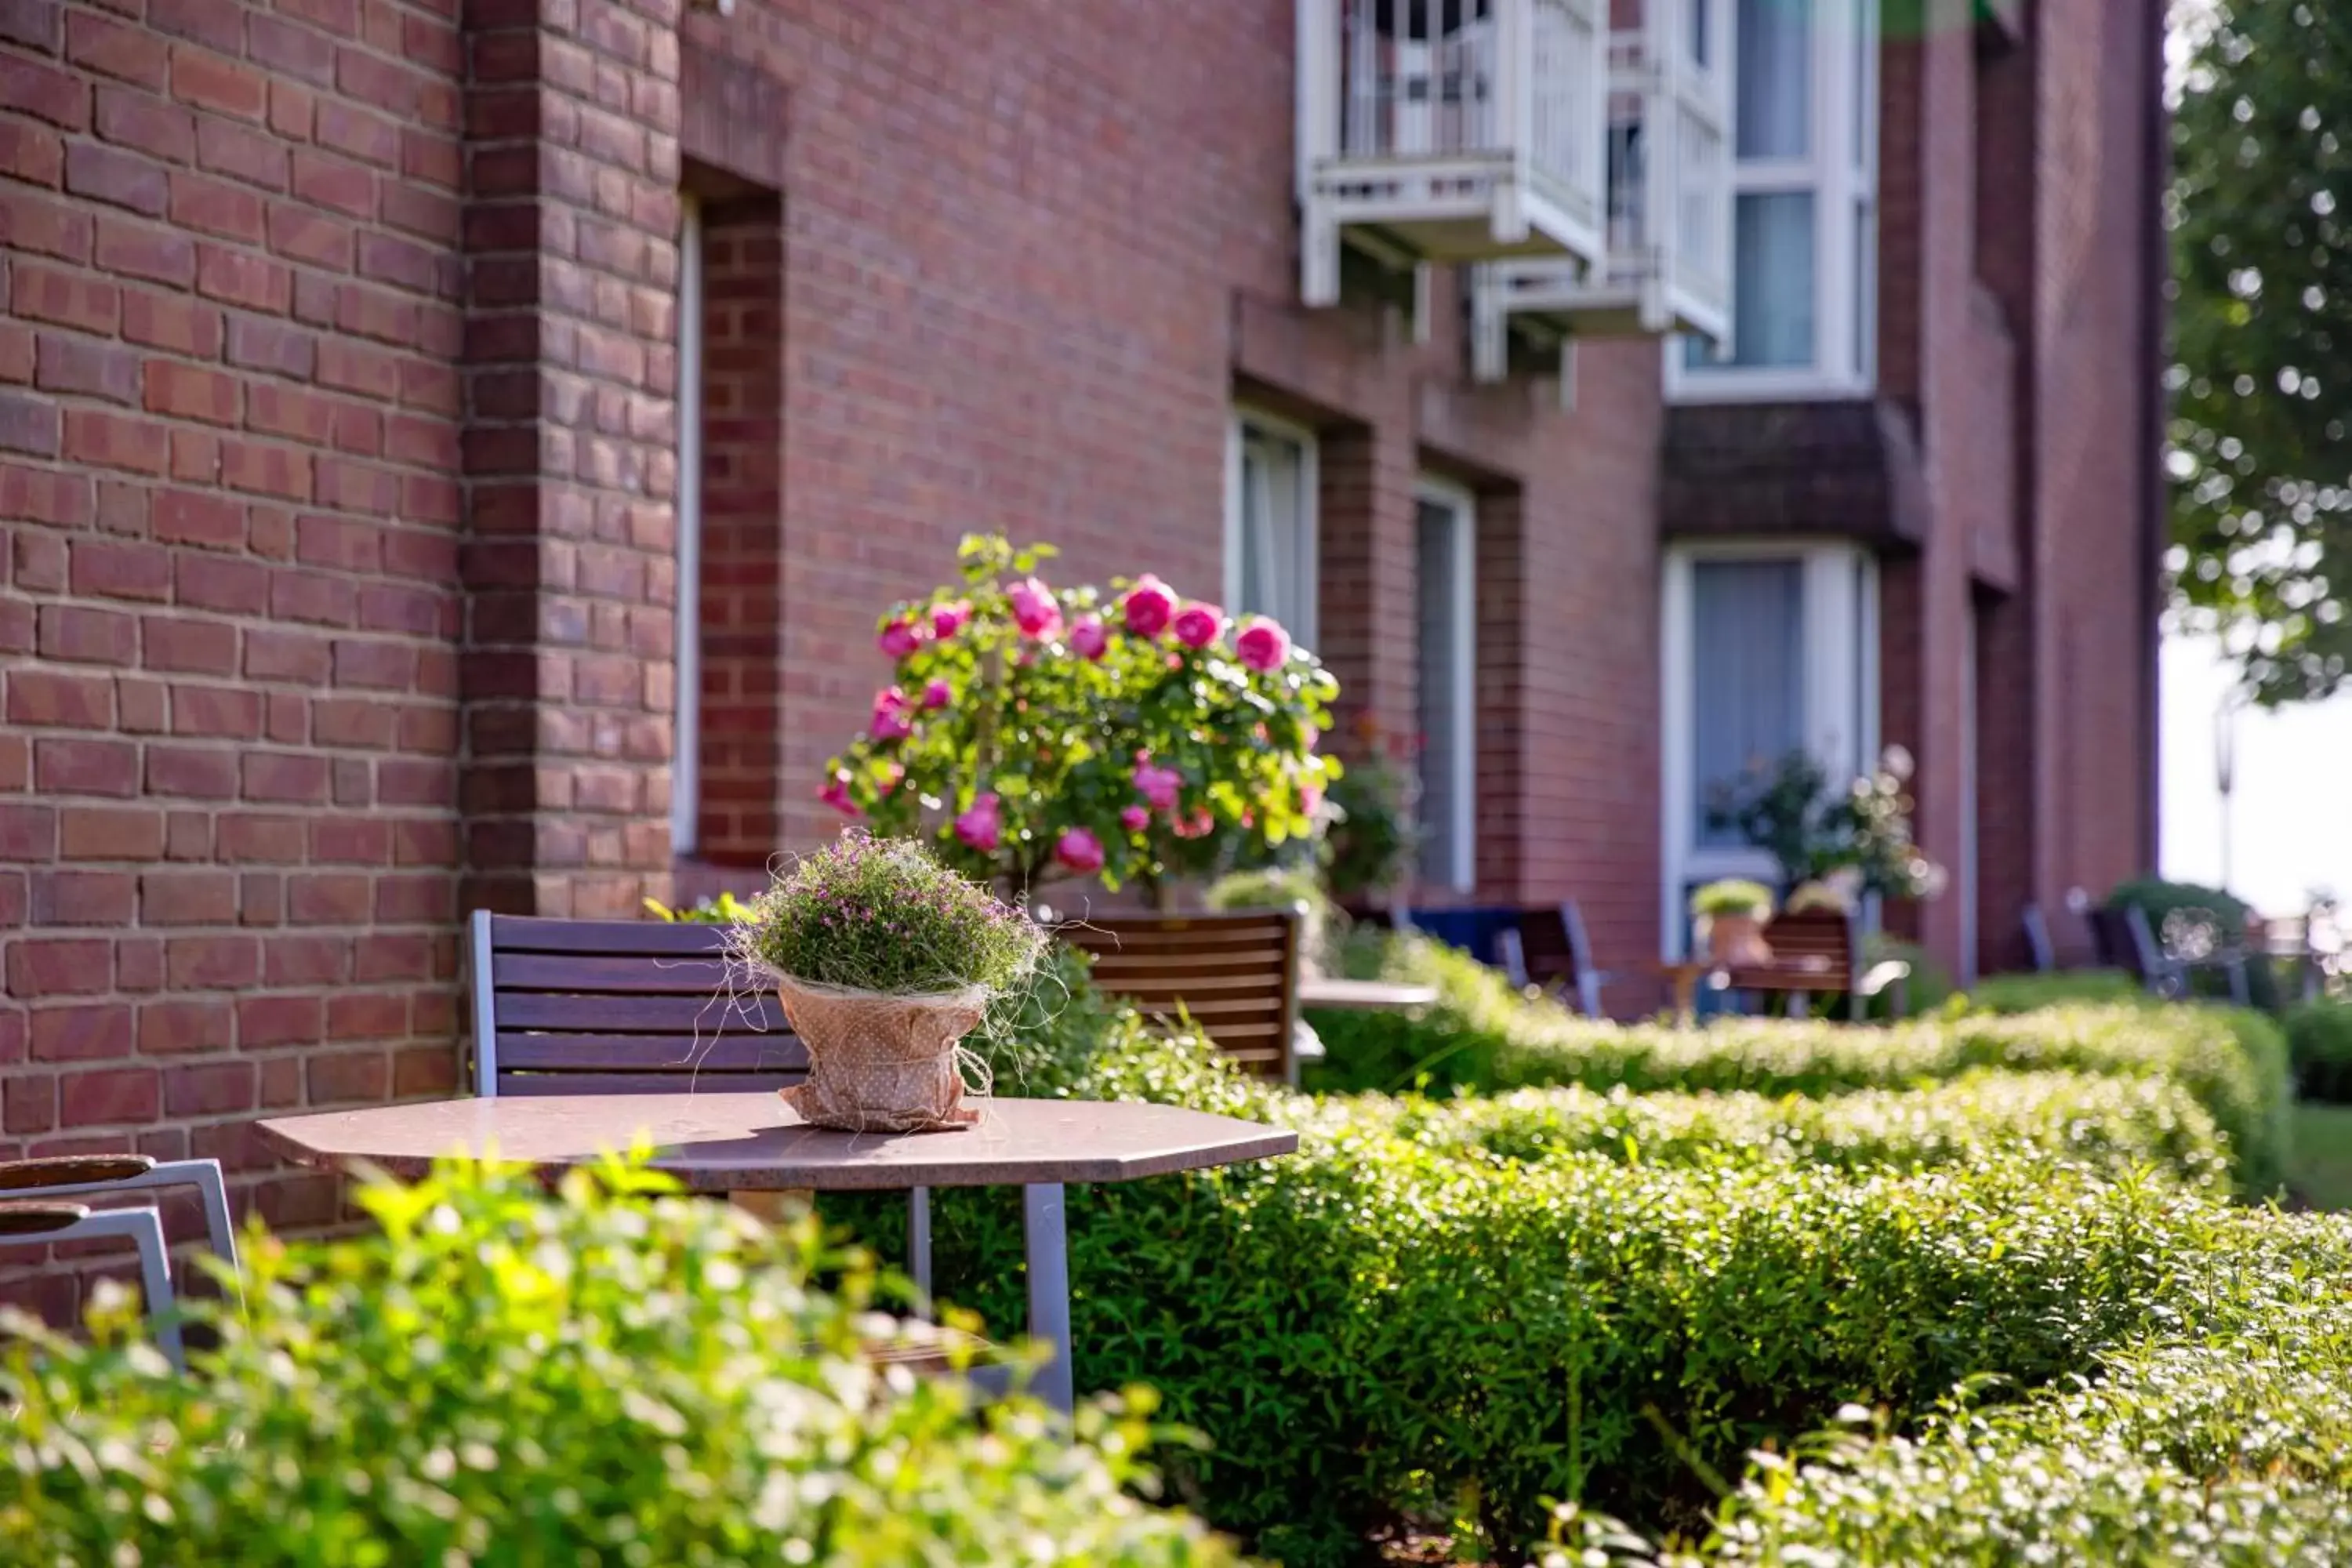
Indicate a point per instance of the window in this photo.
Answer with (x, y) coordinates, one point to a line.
(1270, 556)
(1804, 224)
(686, 741)
(1768, 649)
(1446, 524)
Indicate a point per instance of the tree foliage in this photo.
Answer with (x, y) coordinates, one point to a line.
(2261, 379)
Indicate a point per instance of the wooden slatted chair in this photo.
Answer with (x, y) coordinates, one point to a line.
(633, 1007)
(1815, 953)
(1235, 974)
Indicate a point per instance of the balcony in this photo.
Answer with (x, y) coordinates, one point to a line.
(1667, 264)
(1449, 131)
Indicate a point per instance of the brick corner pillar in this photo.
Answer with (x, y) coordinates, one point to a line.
(572, 176)
(1369, 612)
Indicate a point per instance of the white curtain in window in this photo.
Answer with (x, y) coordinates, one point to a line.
(1772, 286)
(1447, 736)
(1775, 86)
(1748, 670)
(1277, 522)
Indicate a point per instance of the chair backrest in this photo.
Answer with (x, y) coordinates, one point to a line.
(2037, 938)
(1235, 973)
(1819, 940)
(1552, 944)
(618, 1007)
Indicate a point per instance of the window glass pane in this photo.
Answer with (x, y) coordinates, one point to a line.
(1865, 289)
(1774, 87)
(1865, 52)
(1445, 732)
(1748, 670)
(1700, 43)
(1772, 278)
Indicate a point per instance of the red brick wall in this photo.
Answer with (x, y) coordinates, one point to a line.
(229, 308)
(742, 715)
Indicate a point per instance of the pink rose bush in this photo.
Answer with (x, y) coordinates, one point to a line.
(1063, 731)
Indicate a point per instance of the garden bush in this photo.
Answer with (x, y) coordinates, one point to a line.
(2114, 1125)
(2030, 992)
(1401, 1320)
(1482, 1035)
(2319, 1041)
(2226, 1439)
(496, 1379)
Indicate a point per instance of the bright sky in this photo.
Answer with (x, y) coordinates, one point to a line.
(2291, 812)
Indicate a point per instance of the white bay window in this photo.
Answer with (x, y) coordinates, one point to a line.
(1804, 216)
(1768, 648)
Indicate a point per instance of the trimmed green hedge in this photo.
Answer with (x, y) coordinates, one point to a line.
(496, 1379)
(1482, 1035)
(2319, 1040)
(1400, 1319)
(2030, 992)
(2226, 1440)
(2112, 1125)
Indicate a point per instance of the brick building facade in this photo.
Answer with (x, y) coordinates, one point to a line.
(346, 347)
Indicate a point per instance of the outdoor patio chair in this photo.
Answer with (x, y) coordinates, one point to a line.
(1234, 974)
(1815, 953)
(633, 1007)
(35, 1211)
(2038, 944)
(1548, 948)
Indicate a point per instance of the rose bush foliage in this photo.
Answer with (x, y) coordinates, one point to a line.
(1033, 731)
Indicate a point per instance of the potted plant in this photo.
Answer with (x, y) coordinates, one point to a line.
(1730, 921)
(884, 960)
(1033, 731)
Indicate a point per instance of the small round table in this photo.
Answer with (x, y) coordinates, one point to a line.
(739, 1144)
(1365, 996)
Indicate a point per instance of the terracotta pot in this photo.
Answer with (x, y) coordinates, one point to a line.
(1735, 940)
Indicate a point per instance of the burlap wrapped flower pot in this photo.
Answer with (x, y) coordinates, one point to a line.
(880, 1062)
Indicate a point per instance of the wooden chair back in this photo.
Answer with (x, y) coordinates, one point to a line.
(1234, 973)
(618, 1007)
(1812, 950)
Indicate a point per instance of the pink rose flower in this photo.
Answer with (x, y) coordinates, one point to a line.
(1035, 610)
(1149, 606)
(1080, 851)
(1197, 624)
(1196, 824)
(939, 693)
(835, 794)
(894, 716)
(1158, 784)
(899, 638)
(1088, 639)
(949, 620)
(1310, 798)
(1307, 735)
(979, 827)
(893, 773)
(1264, 646)
(1135, 819)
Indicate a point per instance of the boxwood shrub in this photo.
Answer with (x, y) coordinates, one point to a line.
(496, 1379)
(2224, 1438)
(1482, 1035)
(2114, 1125)
(2319, 1040)
(1401, 1319)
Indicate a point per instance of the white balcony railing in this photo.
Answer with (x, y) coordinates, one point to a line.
(1666, 267)
(1449, 131)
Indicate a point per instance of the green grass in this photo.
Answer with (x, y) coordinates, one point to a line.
(2321, 1168)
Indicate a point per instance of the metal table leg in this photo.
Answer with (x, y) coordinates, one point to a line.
(919, 1246)
(1049, 1291)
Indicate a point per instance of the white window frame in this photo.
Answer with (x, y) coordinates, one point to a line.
(1245, 422)
(1461, 876)
(1839, 613)
(1841, 173)
(686, 743)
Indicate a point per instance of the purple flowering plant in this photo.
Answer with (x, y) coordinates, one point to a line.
(1033, 731)
(883, 914)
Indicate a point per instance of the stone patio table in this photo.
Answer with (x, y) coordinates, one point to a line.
(739, 1143)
